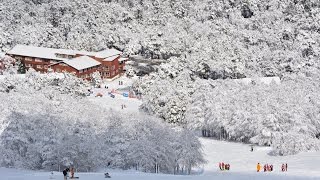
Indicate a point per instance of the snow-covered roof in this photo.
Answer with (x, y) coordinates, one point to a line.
(82, 62)
(107, 53)
(51, 53)
(111, 58)
(39, 52)
(265, 80)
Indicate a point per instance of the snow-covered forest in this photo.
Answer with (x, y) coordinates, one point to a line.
(46, 123)
(254, 37)
(284, 115)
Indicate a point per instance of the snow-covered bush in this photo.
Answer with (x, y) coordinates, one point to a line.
(96, 79)
(8, 65)
(48, 84)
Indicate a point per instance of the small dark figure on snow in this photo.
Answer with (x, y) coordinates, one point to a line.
(271, 167)
(251, 148)
(286, 167)
(65, 173)
(106, 175)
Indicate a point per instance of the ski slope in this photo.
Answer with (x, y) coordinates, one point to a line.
(132, 104)
(304, 166)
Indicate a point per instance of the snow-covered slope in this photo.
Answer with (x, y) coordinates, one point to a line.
(300, 167)
(243, 161)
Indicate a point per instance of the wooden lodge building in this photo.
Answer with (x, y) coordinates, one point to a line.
(108, 63)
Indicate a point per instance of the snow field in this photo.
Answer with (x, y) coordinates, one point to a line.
(243, 161)
(243, 166)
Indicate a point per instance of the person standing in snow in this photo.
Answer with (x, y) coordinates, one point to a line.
(282, 167)
(228, 166)
(286, 167)
(65, 173)
(222, 165)
(258, 167)
(72, 172)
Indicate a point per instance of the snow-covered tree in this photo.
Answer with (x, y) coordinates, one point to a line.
(96, 79)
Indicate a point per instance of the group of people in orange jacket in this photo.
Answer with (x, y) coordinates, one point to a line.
(267, 167)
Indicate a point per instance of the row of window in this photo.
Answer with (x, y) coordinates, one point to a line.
(107, 68)
(37, 66)
(85, 70)
(64, 56)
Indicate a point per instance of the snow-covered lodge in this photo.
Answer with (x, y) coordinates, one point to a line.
(108, 63)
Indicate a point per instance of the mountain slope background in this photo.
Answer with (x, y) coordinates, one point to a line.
(249, 37)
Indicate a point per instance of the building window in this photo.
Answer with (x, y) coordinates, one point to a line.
(28, 59)
(39, 66)
(18, 58)
(113, 67)
(38, 60)
(108, 74)
(113, 73)
(45, 66)
(58, 70)
(29, 65)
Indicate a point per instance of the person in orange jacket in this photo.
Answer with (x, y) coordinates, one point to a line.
(258, 167)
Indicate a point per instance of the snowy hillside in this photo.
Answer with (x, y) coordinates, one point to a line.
(300, 167)
(245, 37)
